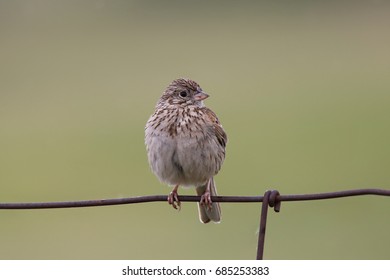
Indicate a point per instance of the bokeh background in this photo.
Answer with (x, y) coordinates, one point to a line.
(302, 89)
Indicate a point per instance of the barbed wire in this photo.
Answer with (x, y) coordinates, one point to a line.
(271, 198)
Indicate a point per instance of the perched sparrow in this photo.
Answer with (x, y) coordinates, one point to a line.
(186, 145)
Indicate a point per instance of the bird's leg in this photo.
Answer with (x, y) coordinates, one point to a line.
(173, 199)
(206, 196)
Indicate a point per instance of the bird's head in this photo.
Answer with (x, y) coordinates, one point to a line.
(183, 92)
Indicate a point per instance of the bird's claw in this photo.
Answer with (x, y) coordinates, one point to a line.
(206, 200)
(173, 200)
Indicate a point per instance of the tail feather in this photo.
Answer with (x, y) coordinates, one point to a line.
(205, 214)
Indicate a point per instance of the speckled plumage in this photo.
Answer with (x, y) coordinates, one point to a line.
(186, 144)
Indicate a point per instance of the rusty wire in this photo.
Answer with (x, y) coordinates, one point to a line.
(270, 198)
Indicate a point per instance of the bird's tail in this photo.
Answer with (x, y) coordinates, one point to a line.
(205, 213)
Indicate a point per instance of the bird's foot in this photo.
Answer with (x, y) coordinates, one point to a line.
(173, 199)
(206, 200)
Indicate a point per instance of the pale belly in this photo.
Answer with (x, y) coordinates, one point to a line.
(183, 161)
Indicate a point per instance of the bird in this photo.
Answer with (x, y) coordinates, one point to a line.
(186, 145)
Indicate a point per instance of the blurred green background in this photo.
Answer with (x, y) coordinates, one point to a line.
(302, 89)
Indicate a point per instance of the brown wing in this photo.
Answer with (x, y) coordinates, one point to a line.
(217, 127)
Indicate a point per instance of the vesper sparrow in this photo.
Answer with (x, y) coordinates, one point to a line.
(186, 145)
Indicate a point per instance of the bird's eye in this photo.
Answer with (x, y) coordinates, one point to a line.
(183, 93)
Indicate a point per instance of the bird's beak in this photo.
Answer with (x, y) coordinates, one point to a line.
(200, 96)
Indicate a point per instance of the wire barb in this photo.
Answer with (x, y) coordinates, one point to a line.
(274, 200)
(271, 199)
